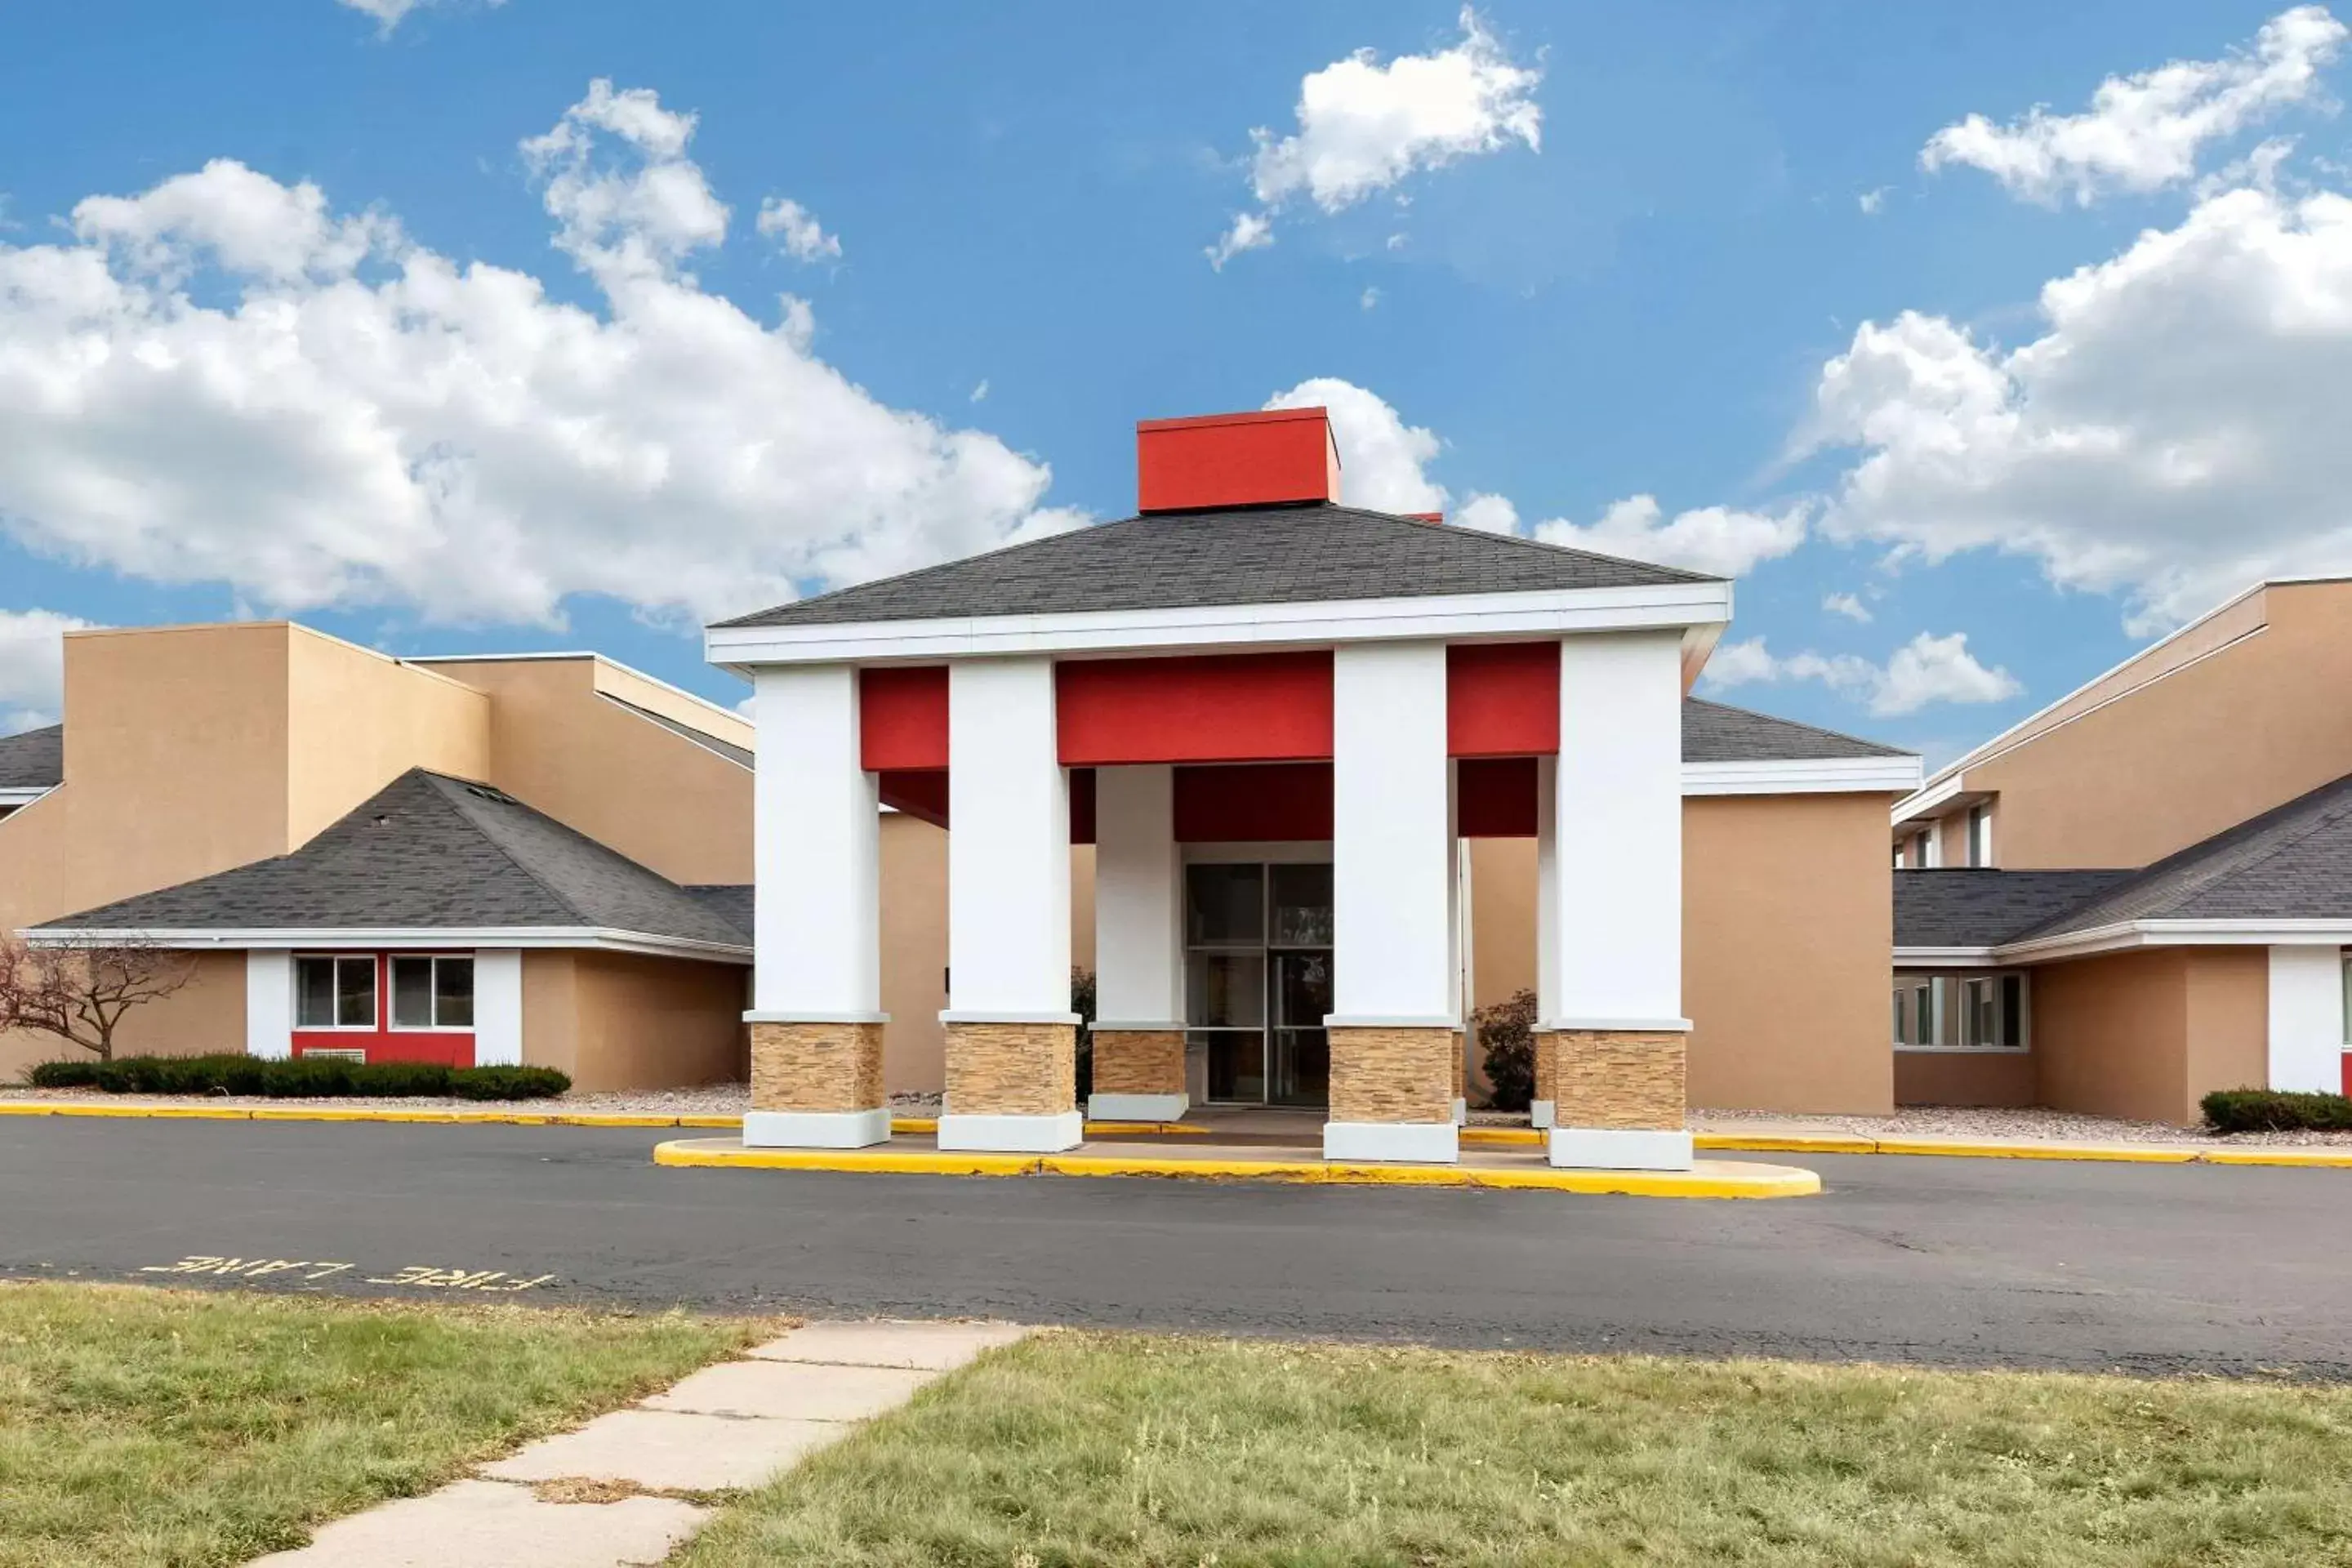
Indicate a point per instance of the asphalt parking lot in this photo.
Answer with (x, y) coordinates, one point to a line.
(2148, 1268)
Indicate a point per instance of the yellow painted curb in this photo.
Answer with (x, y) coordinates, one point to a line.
(2313, 1158)
(1713, 1179)
(1790, 1144)
(2144, 1156)
(161, 1112)
(1503, 1135)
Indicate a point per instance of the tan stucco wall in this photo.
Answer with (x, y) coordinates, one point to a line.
(1788, 919)
(1787, 922)
(2169, 761)
(2148, 1034)
(1964, 1078)
(619, 1021)
(663, 800)
(356, 721)
(203, 1018)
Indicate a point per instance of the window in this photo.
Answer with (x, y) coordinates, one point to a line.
(430, 992)
(1980, 835)
(1977, 1012)
(337, 992)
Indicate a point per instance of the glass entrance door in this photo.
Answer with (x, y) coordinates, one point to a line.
(1258, 980)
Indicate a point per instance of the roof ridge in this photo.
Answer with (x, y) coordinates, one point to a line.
(1522, 540)
(1801, 724)
(542, 883)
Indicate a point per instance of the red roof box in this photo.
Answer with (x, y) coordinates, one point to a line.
(1283, 455)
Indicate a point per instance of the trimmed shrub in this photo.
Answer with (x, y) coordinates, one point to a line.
(507, 1083)
(1507, 1031)
(2276, 1110)
(301, 1077)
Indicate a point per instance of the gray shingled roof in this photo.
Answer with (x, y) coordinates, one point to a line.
(2294, 862)
(1246, 556)
(33, 760)
(430, 853)
(1971, 908)
(1716, 733)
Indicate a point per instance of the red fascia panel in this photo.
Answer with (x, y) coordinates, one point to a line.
(1247, 805)
(920, 793)
(1234, 708)
(1501, 699)
(1495, 797)
(1236, 460)
(902, 717)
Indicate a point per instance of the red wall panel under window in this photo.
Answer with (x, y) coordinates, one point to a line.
(1501, 699)
(384, 1044)
(902, 718)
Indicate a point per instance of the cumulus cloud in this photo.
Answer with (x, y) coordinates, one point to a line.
(795, 228)
(32, 666)
(1384, 467)
(2173, 432)
(2143, 133)
(1723, 541)
(223, 379)
(1364, 126)
(1848, 606)
(1926, 670)
(390, 14)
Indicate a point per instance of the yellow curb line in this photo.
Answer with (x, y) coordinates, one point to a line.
(1791, 1144)
(1766, 1182)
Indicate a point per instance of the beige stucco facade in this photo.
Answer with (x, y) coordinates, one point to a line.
(204, 1016)
(2148, 1034)
(620, 1021)
(2195, 735)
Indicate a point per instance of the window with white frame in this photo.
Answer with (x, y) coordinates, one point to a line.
(1980, 835)
(1977, 1012)
(335, 990)
(432, 992)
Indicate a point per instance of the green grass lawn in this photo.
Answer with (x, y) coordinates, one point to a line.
(1099, 1449)
(162, 1427)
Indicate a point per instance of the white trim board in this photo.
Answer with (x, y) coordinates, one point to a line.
(1810, 776)
(1450, 617)
(391, 939)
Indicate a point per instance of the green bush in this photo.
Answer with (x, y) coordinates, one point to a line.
(507, 1083)
(1507, 1032)
(2276, 1110)
(302, 1078)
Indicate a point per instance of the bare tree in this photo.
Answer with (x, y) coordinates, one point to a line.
(78, 990)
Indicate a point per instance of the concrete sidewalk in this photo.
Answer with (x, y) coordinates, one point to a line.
(628, 1486)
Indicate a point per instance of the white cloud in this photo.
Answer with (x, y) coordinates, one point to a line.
(1720, 540)
(1364, 126)
(1926, 670)
(1370, 298)
(795, 227)
(1848, 606)
(1383, 466)
(2143, 133)
(2174, 432)
(32, 666)
(1871, 201)
(339, 415)
(980, 393)
(1382, 459)
(1251, 231)
(390, 14)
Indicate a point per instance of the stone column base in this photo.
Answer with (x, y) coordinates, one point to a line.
(816, 1085)
(1392, 1094)
(1460, 1077)
(1541, 1108)
(1012, 1087)
(1619, 1098)
(1139, 1075)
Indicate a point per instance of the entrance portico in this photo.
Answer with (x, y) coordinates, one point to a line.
(1247, 673)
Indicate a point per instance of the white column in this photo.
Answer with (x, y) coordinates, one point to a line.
(1457, 923)
(1393, 883)
(2306, 1019)
(497, 1007)
(1139, 916)
(817, 853)
(1008, 876)
(816, 907)
(268, 1004)
(1611, 943)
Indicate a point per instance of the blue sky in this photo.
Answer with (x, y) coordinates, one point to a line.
(1544, 259)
